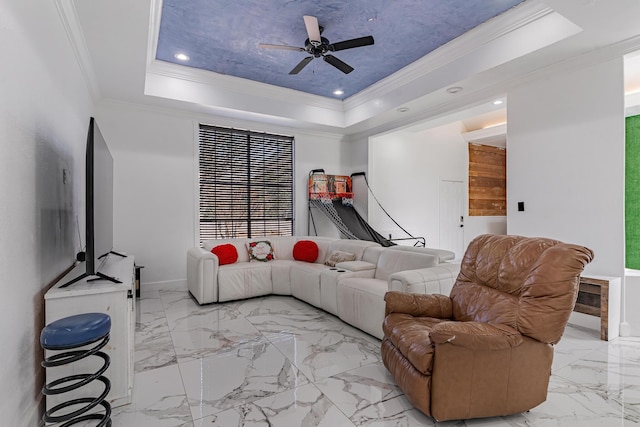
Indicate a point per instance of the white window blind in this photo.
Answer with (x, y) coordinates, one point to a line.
(246, 183)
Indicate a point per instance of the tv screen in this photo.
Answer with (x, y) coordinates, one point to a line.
(98, 205)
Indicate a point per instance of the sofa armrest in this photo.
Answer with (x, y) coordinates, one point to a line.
(355, 266)
(476, 335)
(431, 280)
(202, 275)
(419, 305)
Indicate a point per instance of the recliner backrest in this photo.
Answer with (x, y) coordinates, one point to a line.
(529, 284)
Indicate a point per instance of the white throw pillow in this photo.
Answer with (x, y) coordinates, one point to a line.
(260, 250)
(335, 257)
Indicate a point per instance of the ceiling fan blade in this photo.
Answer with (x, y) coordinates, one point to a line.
(313, 29)
(280, 46)
(301, 65)
(348, 44)
(340, 65)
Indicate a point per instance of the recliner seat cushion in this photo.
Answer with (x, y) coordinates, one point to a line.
(410, 335)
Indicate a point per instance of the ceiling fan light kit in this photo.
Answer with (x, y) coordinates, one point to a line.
(317, 46)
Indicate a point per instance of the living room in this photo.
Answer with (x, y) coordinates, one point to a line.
(565, 154)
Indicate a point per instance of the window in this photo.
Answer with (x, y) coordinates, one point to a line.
(246, 183)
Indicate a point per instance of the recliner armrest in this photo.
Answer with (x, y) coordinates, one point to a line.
(476, 335)
(419, 305)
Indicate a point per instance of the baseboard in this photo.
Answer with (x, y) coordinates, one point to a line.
(166, 285)
(625, 329)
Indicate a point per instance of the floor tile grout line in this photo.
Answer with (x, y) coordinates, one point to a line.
(184, 388)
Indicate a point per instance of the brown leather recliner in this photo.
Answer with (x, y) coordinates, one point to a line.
(487, 349)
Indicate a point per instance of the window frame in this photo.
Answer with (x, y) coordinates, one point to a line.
(270, 226)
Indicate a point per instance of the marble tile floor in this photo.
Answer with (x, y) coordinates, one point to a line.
(276, 361)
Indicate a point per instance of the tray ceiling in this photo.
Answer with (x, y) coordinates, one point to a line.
(223, 37)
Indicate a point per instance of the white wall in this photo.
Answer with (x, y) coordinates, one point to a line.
(565, 160)
(44, 115)
(405, 169)
(476, 225)
(155, 164)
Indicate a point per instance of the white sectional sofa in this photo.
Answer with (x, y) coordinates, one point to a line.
(352, 290)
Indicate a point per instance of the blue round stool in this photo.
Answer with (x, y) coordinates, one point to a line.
(66, 334)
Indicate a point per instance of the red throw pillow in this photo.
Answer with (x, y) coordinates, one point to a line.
(227, 253)
(305, 250)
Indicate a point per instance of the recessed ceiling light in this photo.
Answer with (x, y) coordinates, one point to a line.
(338, 92)
(403, 109)
(371, 19)
(454, 89)
(498, 102)
(181, 56)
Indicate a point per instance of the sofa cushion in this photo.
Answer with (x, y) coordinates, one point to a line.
(305, 281)
(355, 266)
(337, 256)
(391, 261)
(354, 246)
(226, 253)
(442, 255)
(281, 275)
(361, 303)
(260, 250)
(244, 280)
(282, 246)
(305, 250)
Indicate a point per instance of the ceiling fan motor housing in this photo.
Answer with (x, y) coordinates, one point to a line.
(316, 49)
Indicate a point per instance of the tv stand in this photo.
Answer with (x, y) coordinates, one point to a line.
(100, 295)
(100, 276)
(112, 252)
(97, 276)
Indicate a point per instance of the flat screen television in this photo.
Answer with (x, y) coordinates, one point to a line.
(98, 207)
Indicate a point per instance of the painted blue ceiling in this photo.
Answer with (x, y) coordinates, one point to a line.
(223, 36)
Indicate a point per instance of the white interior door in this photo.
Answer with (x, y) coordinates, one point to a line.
(452, 216)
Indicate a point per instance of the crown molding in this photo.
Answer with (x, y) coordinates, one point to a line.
(240, 85)
(219, 119)
(69, 17)
(225, 82)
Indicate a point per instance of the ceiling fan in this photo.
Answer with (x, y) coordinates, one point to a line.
(318, 46)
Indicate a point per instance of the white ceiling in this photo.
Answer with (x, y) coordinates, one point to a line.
(115, 41)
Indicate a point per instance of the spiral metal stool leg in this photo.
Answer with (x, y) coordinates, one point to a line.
(67, 334)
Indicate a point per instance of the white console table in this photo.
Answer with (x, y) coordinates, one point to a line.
(99, 296)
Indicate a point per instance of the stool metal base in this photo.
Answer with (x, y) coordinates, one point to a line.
(77, 381)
